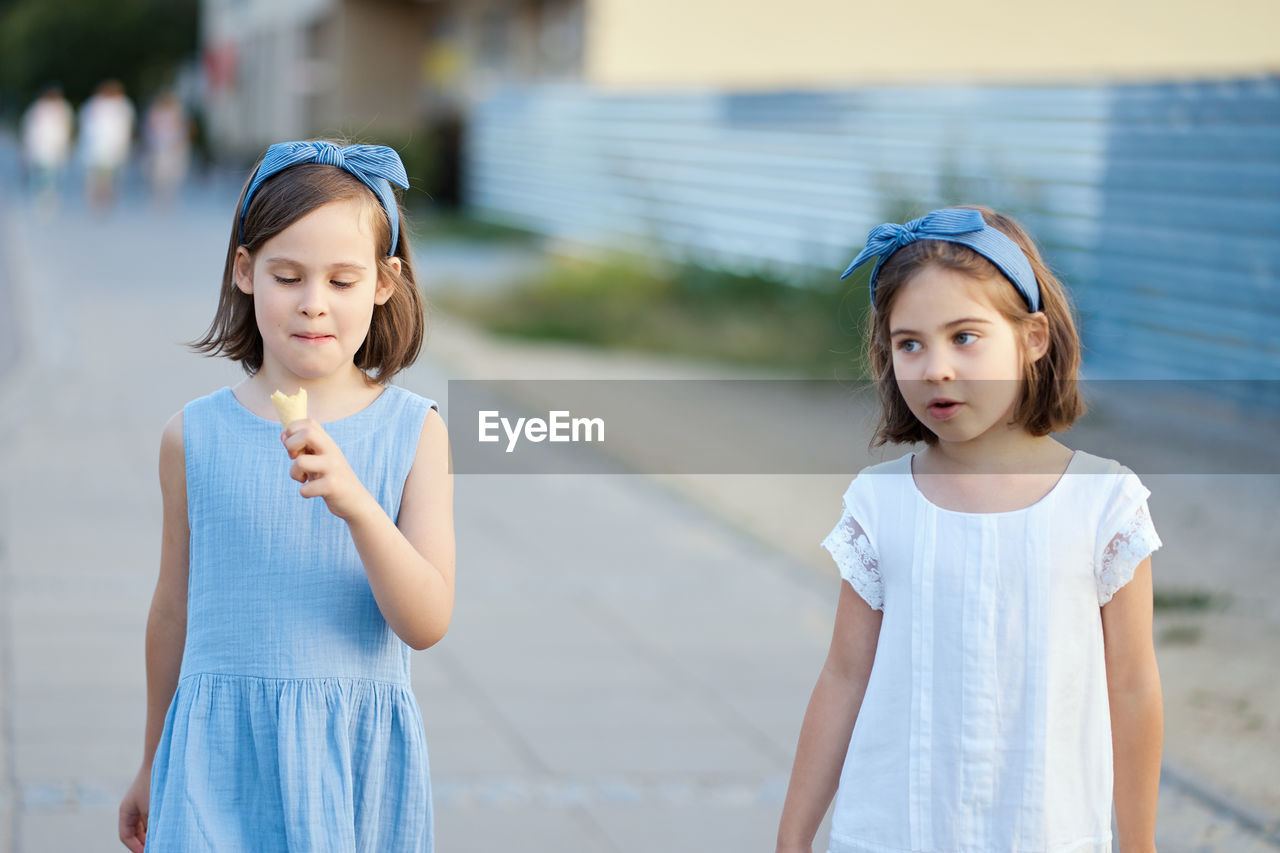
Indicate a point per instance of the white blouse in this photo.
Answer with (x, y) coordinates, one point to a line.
(985, 724)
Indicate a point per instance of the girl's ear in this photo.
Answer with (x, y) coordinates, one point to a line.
(1037, 336)
(243, 271)
(386, 286)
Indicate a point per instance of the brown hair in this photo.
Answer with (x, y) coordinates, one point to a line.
(1049, 398)
(397, 328)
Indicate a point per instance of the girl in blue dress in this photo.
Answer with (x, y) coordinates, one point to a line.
(299, 567)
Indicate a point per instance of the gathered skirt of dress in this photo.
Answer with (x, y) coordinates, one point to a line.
(245, 747)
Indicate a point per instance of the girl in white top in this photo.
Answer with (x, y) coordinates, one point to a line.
(992, 669)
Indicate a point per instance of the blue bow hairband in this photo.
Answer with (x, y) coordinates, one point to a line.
(377, 167)
(954, 225)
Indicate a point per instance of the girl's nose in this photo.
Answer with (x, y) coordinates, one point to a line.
(938, 367)
(312, 300)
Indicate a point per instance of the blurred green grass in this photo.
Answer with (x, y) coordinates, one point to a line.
(438, 225)
(1189, 600)
(810, 326)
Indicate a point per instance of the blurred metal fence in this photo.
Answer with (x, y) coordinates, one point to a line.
(1188, 255)
(1160, 204)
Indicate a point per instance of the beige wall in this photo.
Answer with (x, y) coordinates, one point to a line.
(791, 43)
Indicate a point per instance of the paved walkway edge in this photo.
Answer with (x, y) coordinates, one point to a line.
(1246, 815)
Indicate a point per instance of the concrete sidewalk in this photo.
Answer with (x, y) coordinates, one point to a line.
(630, 657)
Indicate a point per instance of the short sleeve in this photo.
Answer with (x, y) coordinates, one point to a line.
(1127, 536)
(856, 559)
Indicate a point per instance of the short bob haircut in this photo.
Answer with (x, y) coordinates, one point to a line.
(1049, 399)
(397, 328)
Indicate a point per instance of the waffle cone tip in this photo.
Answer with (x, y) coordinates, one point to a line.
(290, 408)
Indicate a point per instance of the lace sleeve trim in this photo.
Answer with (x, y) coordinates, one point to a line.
(1135, 542)
(857, 561)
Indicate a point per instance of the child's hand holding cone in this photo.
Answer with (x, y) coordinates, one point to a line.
(318, 464)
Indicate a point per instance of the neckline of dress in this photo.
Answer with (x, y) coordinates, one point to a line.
(328, 425)
(911, 476)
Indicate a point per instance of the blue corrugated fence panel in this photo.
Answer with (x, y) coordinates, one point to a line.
(1137, 194)
(1189, 252)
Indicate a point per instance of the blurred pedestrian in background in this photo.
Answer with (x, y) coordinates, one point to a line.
(106, 133)
(46, 144)
(167, 136)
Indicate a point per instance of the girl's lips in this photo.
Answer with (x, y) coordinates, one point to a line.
(944, 409)
(313, 339)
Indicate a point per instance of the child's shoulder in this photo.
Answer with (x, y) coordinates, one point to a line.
(1083, 462)
(1104, 485)
(901, 465)
(870, 475)
(875, 478)
(1101, 474)
(210, 398)
(407, 409)
(209, 405)
(402, 396)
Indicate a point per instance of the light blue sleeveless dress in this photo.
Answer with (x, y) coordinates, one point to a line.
(293, 727)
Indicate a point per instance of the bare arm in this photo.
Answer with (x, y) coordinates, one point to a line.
(167, 621)
(166, 626)
(410, 565)
(829, 720)
(1137, 710)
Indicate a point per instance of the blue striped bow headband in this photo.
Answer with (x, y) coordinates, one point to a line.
(954, 225)
(377, 167)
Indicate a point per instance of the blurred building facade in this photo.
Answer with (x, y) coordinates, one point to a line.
(401, 72)
(285, 69)
(1144, 153)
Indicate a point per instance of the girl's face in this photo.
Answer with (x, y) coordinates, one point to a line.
(314, 287)
(957, 360)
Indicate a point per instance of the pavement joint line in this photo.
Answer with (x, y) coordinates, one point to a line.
(691, 684)
(820, 582)
(587, 821)
(1230, 806)
(585, 791)
(493, 711)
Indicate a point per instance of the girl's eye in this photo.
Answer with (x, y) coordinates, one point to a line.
(343, 284)
(966, 338)
(284, 280)
(908, 345)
